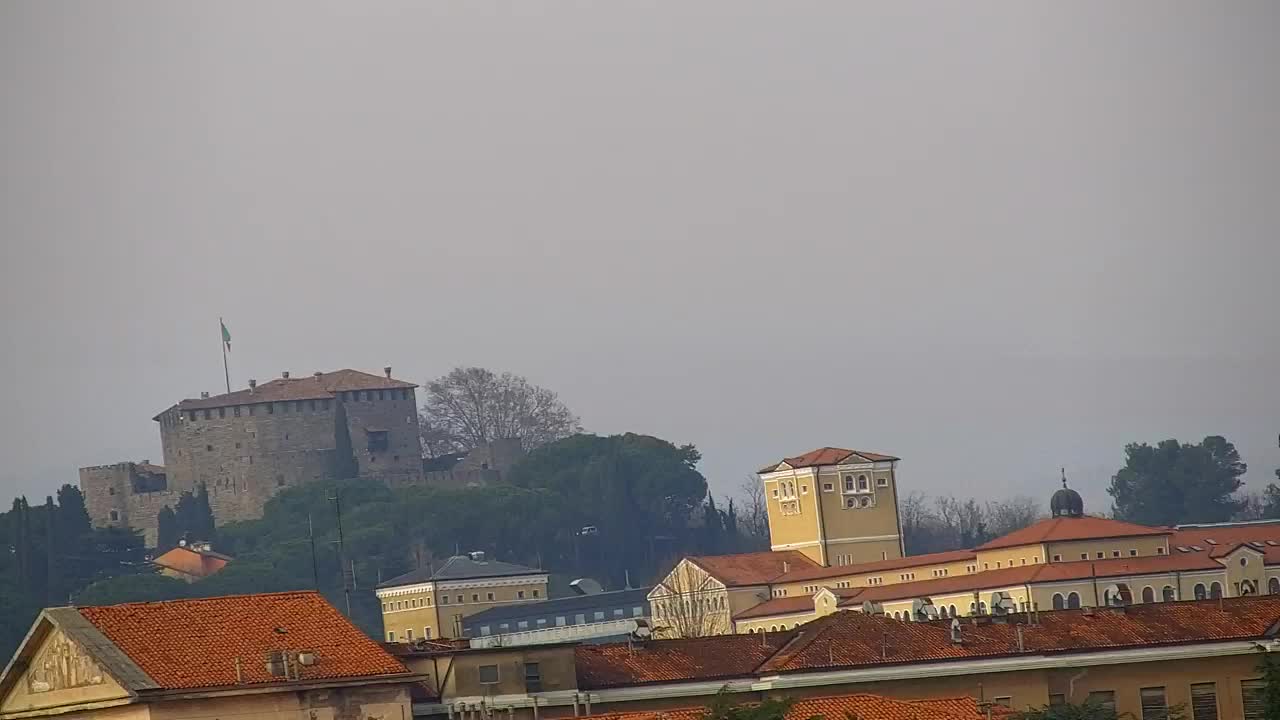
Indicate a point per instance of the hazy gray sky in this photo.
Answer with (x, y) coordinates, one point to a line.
(991, 238)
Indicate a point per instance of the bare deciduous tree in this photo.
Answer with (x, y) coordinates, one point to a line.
(753, 518)
(470, 407)
(963, 519)
(1005, 516)
(688, 604)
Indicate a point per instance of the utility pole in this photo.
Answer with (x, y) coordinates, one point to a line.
(342, 555)
(315, 567)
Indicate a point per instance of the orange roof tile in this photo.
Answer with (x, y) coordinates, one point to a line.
(186, 644)
(190, 562)
(757, 568)
(830, 456)
(834, 707)
(778, 606)
(709, 658)
(819, 572)
(1061, 529)
(853, 639)
(313, 387)
(1214, 538)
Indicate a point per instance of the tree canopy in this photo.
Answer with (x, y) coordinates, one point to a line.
(1176, 482)
(471, 407)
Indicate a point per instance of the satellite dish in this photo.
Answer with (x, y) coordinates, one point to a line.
(872, 608)
(642, 631)
(586, 586)
(1002, 603)
(922, 609)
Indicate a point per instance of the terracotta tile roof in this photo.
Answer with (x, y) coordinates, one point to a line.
(313, 387)
(835, 707)
(819, 572)
(190, 562)
(655, 661)
(1060, 529)
(778, 606)
(461, 567)
(829, 456)
(185, 644)
(853, 639)
(757, 568)
(1217, 539)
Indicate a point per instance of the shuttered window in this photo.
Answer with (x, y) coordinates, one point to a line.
(1153, 703)
(1204, 701)
(1251, 697)
(1103, 698)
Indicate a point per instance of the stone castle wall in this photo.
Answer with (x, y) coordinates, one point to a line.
(246, 454)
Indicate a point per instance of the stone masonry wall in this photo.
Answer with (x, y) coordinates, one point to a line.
(373, 411)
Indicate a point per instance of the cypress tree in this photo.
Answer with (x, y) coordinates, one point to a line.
(51, 584)
(167, 532)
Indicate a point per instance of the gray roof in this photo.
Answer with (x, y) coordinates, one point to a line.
(462, 567)
(564, 605)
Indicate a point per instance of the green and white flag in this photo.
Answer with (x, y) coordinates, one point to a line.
(226, 335)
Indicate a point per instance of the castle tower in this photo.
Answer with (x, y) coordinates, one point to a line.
(839, 507)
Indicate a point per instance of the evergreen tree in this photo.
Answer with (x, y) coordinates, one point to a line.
(52, 587)
(73, 517)
(21, 542)
(203, 519)
(166, 529)
(1176, 482)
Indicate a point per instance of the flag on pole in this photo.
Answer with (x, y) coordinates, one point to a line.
(226, 336)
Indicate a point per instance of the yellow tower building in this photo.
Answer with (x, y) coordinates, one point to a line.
(837, 506)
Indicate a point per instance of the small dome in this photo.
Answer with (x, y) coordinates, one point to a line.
(1066, 502)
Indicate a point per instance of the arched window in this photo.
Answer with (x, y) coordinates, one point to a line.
(848, 483)
(1106, 598)
(1215, 590)
(1247, 588)
(1073, 601)
(862, 483)
(1148, 594)
(1199, 591)
(1273, 586)
(1167, 594)
(953, 610)
(773, 628)
(1059, 602)
(982, 608)
(751, 631)
(973, 608)
(942, 612)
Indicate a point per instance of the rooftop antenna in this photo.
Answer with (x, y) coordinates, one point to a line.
(315, 567)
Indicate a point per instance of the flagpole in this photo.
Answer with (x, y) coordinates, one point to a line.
(226, 372)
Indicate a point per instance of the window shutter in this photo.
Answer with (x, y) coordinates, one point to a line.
(1153, 704)
(1252, 695)
(1204, 701)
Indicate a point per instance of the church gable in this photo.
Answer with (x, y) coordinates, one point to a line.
(53, 670)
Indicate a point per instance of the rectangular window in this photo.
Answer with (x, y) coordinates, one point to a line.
(459, 599)
(222, 412)
(1004, 701)
(312, 407)
(475, 597)
(206, 414)
(535, 592)
(619, 613)
(560, 621)
(775, 492)
(882, 482)
(488, 674)
(1204, 701)
(542, 622)
(828, 487)
(1101, 554)
(522, 625)
(426, 633)
(408, 634)
(1159, 551)
(1103, 698)
(284, 407)
(1057, 699)
(251, 407)
(444, 599)
(532, 677)
(519, 594)
(1084, 556)
(599, 615)
(1133, 552)
(297, 406)
(1115, 553)
(236, 411)
(271, 408)
(1154, 706)
(1253, 699)
(391, 636)
(637, 611)
(489, 597)
(579, 619)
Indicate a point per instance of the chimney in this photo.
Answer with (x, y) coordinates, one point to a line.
(317, 375)
(285, 374)
(786, 567)
(204, 395)
(253, 384)
(387, 370)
